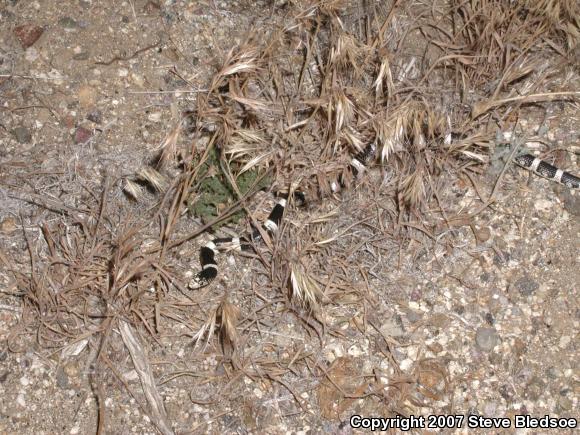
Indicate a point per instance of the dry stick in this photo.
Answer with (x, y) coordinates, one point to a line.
(122, 380)
(438, 199)
(482, 107)
(307, 58)
(491, 198)
(142, 365)
(48, 204)
(101, 408)
(289, 388)
(430, 70)
(128, 57)
(179, 199)
(383, 28)
(231, 210)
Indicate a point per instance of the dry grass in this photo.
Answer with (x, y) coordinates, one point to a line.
(298, 101)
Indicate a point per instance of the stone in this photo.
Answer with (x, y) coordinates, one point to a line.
(8, 225)
(87, 96)
(526, 285)
(28, 34)
(486, 338)
(22, 134)
(82, 135)
(571, 202)
(95, 116)
(151, 8)
(68, 23)
(83, 55)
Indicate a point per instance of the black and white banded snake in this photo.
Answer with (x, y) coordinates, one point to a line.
(546, 170)
(358, 165)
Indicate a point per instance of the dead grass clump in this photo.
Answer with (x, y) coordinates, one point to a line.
(91, 279)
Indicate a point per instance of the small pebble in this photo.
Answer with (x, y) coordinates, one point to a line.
(82, 135)
(87, 96)
(8, 225)
(28, 34)
(20, 400)
(95, 116)
(68, 23)
(31, 54)
(486, 338)
(526, 285)
(22, 134)
(543, 204)
(154, 117)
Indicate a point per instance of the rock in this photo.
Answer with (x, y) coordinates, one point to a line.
(154, 117)
(22, 134)
(83, 55)
(95, 116)
(68, 23)
(8, 225)
(486, 338)
(31, 54)
(62, 379)
(151, 8)
(482, 234)
(571, 202)
(28, 34)
(87, 96)
(565, 404)
(393, 327)
(82, 135)
(543, 204)
(526, 285)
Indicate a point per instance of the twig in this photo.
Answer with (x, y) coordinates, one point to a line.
(128, 57)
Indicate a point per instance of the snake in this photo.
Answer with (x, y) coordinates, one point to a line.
(358, 165)
(208, 252)
(544, 169)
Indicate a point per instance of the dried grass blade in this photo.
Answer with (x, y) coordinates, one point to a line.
(158, 413)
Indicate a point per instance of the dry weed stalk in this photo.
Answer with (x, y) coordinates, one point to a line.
(304, 289)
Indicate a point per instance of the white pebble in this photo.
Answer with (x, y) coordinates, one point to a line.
(154, 117)
(31, 54)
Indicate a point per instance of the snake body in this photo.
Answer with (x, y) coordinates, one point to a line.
(358, 165)
(546, 170)
(208, 253)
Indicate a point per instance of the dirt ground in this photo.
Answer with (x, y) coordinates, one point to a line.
(485, 325)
